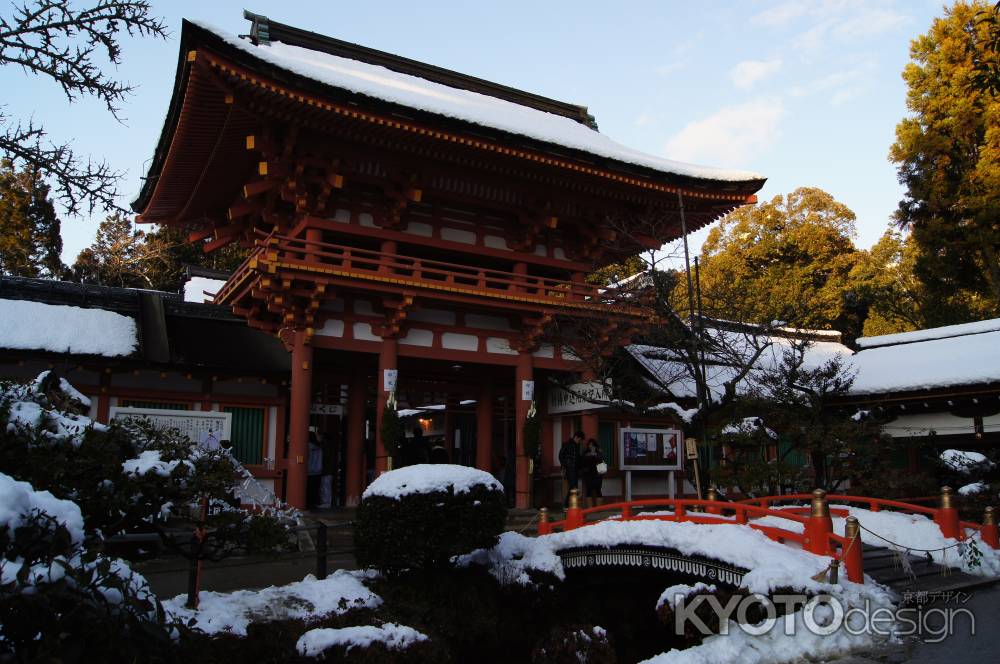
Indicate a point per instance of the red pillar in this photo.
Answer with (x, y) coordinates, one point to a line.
(354, 480)
(523, 372)
(819, 526)
(298, 448)
(947, 516)
(387, 359)
(589, 423)
(484, 428)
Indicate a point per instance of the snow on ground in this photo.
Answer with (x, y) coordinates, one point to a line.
(19, 499)
(306, 599)
(196, 287)
(391, 635)
(963, 460)
(480, 109)
(60, 328)
(514, 556)
(428, 478)
(907, 531)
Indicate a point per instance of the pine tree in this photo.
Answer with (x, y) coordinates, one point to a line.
(167, 252)
(30, 242)
(948, 154)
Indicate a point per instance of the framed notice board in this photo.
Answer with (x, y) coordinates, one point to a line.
(651, 449)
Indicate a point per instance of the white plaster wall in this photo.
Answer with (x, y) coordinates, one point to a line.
(456, 341)
(545, 350)
(495, 242)
(499, 345)
(419, 228)
(363, 332)
(417, 337)
(923, 423)
(458, 235)
(331, 328)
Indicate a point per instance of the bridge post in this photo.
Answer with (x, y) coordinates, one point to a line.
(543, 522)
(574, 517)
(712, 495)
(989, 530)
(947, 515)
(626, 512)
(819, 526)
(852, 554)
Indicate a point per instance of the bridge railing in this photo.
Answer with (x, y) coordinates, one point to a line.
(816, 534)
(945, 515)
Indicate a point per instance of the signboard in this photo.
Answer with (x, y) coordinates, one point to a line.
(527, 390)
(650, 449)
(691, 446)
(326, 409)
(389, 377)
(205, 427)
(577, 397)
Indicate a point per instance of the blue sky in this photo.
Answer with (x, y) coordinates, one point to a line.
(806, 92)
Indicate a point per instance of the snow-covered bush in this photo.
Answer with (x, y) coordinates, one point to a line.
(389, 643)
(575, 644)
(61, 602)
(421, 516)
(975, 476)
(129, 476)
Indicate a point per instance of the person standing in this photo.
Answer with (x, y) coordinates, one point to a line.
(569, 458)
(590, 474)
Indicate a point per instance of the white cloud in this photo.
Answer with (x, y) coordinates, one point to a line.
(841, 85)
(781, 14)
(730, 136)
(747, 73)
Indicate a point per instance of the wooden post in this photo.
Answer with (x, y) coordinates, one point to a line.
(820, 526)
(947, 515)
(354, 480)
(387, 359)
(298, 448)
(484, 428)
(989, 530)
(852, 554)
(523, 373)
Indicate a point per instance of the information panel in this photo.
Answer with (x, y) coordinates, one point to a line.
(650, 449)
(205, 427)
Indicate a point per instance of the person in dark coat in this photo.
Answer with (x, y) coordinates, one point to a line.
(569, 457)
(438, 453)
(592, 479)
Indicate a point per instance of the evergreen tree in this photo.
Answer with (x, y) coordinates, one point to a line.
(788, 259)
(116, 258)
(948, 154)
(30, 243)
(167, 252)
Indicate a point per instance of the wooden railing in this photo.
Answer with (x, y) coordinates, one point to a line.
(299, 254)
(816, 535)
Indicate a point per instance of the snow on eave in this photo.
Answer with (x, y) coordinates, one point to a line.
(420, 94)
(59, 328)
(948, 331)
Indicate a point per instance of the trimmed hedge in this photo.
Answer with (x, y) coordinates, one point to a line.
(426, 530)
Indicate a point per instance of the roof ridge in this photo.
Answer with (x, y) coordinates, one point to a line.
(263, 31)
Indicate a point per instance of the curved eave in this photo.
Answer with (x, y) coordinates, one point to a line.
(187, 106)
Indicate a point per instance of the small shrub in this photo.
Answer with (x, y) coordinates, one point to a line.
(575, 644)
(426, 530)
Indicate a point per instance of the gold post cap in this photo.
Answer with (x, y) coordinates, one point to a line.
(543, 515)
(989, 517)
(574, 499)
(946, 497)
(819, 506)
(852, 527)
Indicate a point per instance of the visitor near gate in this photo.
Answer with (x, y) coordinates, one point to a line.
(591, 466)
(315, 468)
(569, 459)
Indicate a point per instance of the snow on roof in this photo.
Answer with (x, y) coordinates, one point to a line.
(428, 478)
(926, 364)
(26, 325)
(980, 327)
(480, 109)
(196, 287)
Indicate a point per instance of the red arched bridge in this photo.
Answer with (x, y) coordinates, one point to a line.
(816, 535)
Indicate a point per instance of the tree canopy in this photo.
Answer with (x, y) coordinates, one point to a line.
(948, 155)
(30, 242)
(788, 259)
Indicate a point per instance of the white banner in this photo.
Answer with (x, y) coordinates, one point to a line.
(576, 397)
